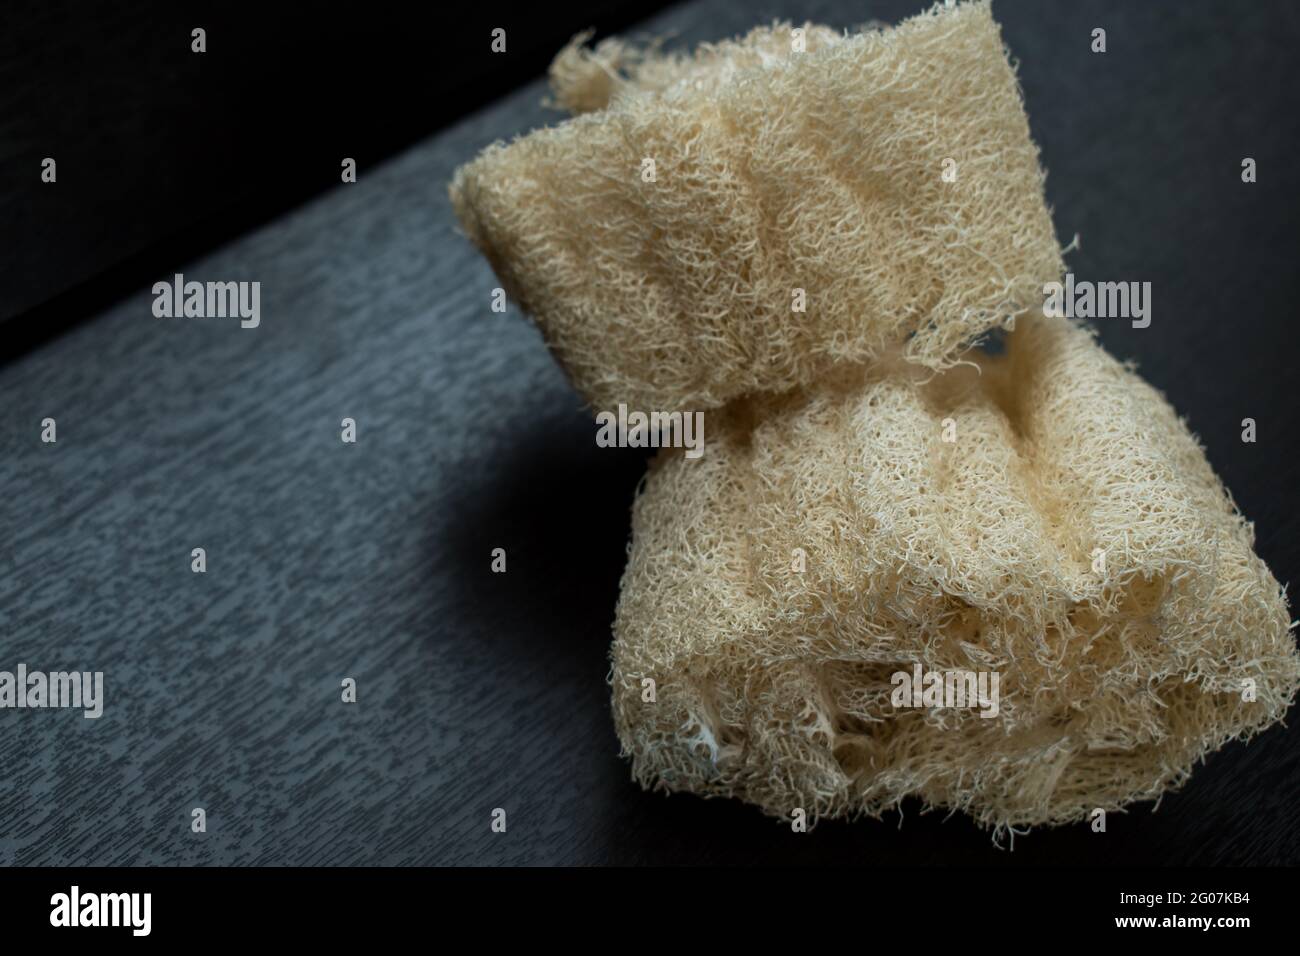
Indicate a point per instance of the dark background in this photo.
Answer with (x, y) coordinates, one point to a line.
(163, 153)
(372, 561)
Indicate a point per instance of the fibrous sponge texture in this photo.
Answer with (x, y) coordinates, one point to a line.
(747, 219)
(584, 79)
(979, 553)
(875, 498)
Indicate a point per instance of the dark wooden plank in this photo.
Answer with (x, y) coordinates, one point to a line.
(163, 152)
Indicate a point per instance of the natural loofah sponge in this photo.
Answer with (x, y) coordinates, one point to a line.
(584, 80)
(981, 554)
(774, 172)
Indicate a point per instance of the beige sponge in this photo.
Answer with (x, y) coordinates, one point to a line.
(876, 193)
(584, 80)
(1044, 517)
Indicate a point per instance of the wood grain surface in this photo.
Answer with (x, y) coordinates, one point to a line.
(372, 561)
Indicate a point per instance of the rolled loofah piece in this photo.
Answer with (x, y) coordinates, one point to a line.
(978, 554)
(774, 172)
(585, 80)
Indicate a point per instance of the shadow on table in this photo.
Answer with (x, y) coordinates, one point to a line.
(561, 508)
